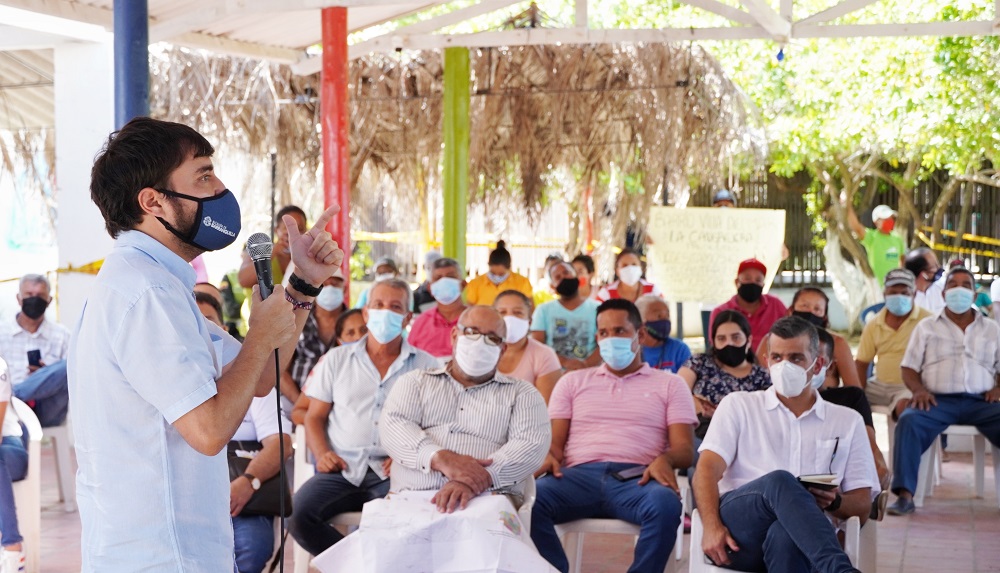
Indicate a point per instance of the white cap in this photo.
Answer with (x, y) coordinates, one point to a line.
(882, 212)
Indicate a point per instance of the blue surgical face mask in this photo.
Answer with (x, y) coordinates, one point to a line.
(216, 224)
(384, 325)
(497, 279)
(446, 290)
(899, 304)
(617, 352)
(330, 297)
(959, 299)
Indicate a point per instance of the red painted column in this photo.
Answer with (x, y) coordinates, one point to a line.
(333, 118)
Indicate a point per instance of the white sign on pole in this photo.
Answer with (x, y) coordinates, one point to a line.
(696, 251)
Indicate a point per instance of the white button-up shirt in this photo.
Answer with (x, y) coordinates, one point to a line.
(755, 434)
(951, 361)
(51, 339)
(143, 356)
(347, 378)
(932, 299)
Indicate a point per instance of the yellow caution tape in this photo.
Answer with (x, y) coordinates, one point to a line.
(958, 250)
(965, 236)
(91, 268)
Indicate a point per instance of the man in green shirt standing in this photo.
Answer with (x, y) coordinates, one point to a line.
(885, 248)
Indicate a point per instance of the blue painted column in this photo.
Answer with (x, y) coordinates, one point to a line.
(131, 25)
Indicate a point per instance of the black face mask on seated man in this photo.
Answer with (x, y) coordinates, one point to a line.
(750, 292)
(34, 307)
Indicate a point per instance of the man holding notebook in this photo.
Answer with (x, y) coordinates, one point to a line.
(763, 450)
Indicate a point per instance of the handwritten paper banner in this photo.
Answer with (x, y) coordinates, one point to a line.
(696, 251)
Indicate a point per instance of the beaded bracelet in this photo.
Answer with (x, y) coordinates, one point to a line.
(297, 304)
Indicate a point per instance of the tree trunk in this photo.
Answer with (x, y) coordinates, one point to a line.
(853, 286)
(963, 219)
(937, 220)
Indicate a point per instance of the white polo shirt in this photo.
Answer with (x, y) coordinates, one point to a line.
(755, 434)
(951, 361)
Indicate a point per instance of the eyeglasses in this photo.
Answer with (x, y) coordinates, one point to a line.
(472, 333)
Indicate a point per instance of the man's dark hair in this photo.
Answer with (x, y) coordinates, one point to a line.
(791, 327)
(915, 261)
(519, 295)
(500, 255)
(961, 271)
(142, 154)
(204, 297)
(621, 304)
(587, 261)
(445, 262)
(826, 339)
(289, 210)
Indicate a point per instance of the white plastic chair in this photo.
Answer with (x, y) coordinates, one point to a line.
(303, 470)
(28, 492)
(887, 410)
(572, 533)
(62, 443)
(929, 460)
(860, 545)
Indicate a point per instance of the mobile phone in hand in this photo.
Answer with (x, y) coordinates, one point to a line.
(34, 358)
(630, 473)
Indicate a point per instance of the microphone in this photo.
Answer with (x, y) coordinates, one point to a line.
(259, 248)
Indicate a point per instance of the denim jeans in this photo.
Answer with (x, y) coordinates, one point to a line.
(778, 527)
(589, 491)
(13, 467)
(324, 497)
(916, 430)
(48, 387)
(253, 538)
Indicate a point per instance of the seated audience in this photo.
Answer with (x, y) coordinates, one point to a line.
(924, 265)
(485, 288)
(385, 269)
(812, 305)
(203, 290)
(621, 417)
(423, 300)
(585, 269)
(281, 253)
(13, 467)
(756, 515)
(885, 338)
(628, 283)
(35, 350)
(659, 350)
(347, 392)
(544, 288)
(464, 429)
(760, 309)
(566, 324)
(727, 367)
(431, 331)
(349, 329)
(525, 358)
(950, 367)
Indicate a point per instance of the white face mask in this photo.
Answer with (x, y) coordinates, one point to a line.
(790, 380)
(630, 275)
(819, 378)
(517, 329)
(330, 297)
(475, 357)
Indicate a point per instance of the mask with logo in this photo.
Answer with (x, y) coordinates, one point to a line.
(959, 299)
(817, 321)
(817, 381)
(658, 329)
(446, 290)
(750, 292)
(497, 279)
(568, 287)
(384, 325)
(475, 357)
(517, 329)
(938, 274)
(899, 304)
(790, 380)
(730, 355)
(630, 275)
(617, 352)
(34, 307)
(330, 297)
(217, 222)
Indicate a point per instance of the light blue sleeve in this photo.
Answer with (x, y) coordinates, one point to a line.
(540, 320)
(163, 355)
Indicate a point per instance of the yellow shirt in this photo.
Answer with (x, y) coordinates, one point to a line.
(880, 339)
(481, 289)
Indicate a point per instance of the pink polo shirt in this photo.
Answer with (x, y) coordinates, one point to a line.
(431, 332)
(770, 310)
(616, 419)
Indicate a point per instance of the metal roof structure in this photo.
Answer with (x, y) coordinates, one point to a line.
(285, 30)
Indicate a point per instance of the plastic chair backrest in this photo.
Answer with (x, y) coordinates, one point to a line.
(869, 312)
(28, 418)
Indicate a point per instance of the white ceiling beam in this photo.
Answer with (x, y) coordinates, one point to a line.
(581, 18)
(951, 28)
(724, 10)
(787, 9)
(237, 48)
(60, 9)
(164, 30)
(837, 10)
(779, 28)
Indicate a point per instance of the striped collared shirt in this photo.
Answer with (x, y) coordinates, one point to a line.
(952, 361)
(503, 419)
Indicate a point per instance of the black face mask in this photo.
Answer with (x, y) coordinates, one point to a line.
(731, 355)
(938, 274)
(817, 321)
(658, 329)
(568, 287)
(34, 307)
(750, 292)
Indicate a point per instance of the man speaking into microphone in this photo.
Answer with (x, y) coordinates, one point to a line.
(157, 392)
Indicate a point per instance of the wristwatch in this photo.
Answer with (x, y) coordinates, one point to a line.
(254, 482)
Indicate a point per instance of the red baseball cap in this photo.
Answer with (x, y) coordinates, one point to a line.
(752, 264)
